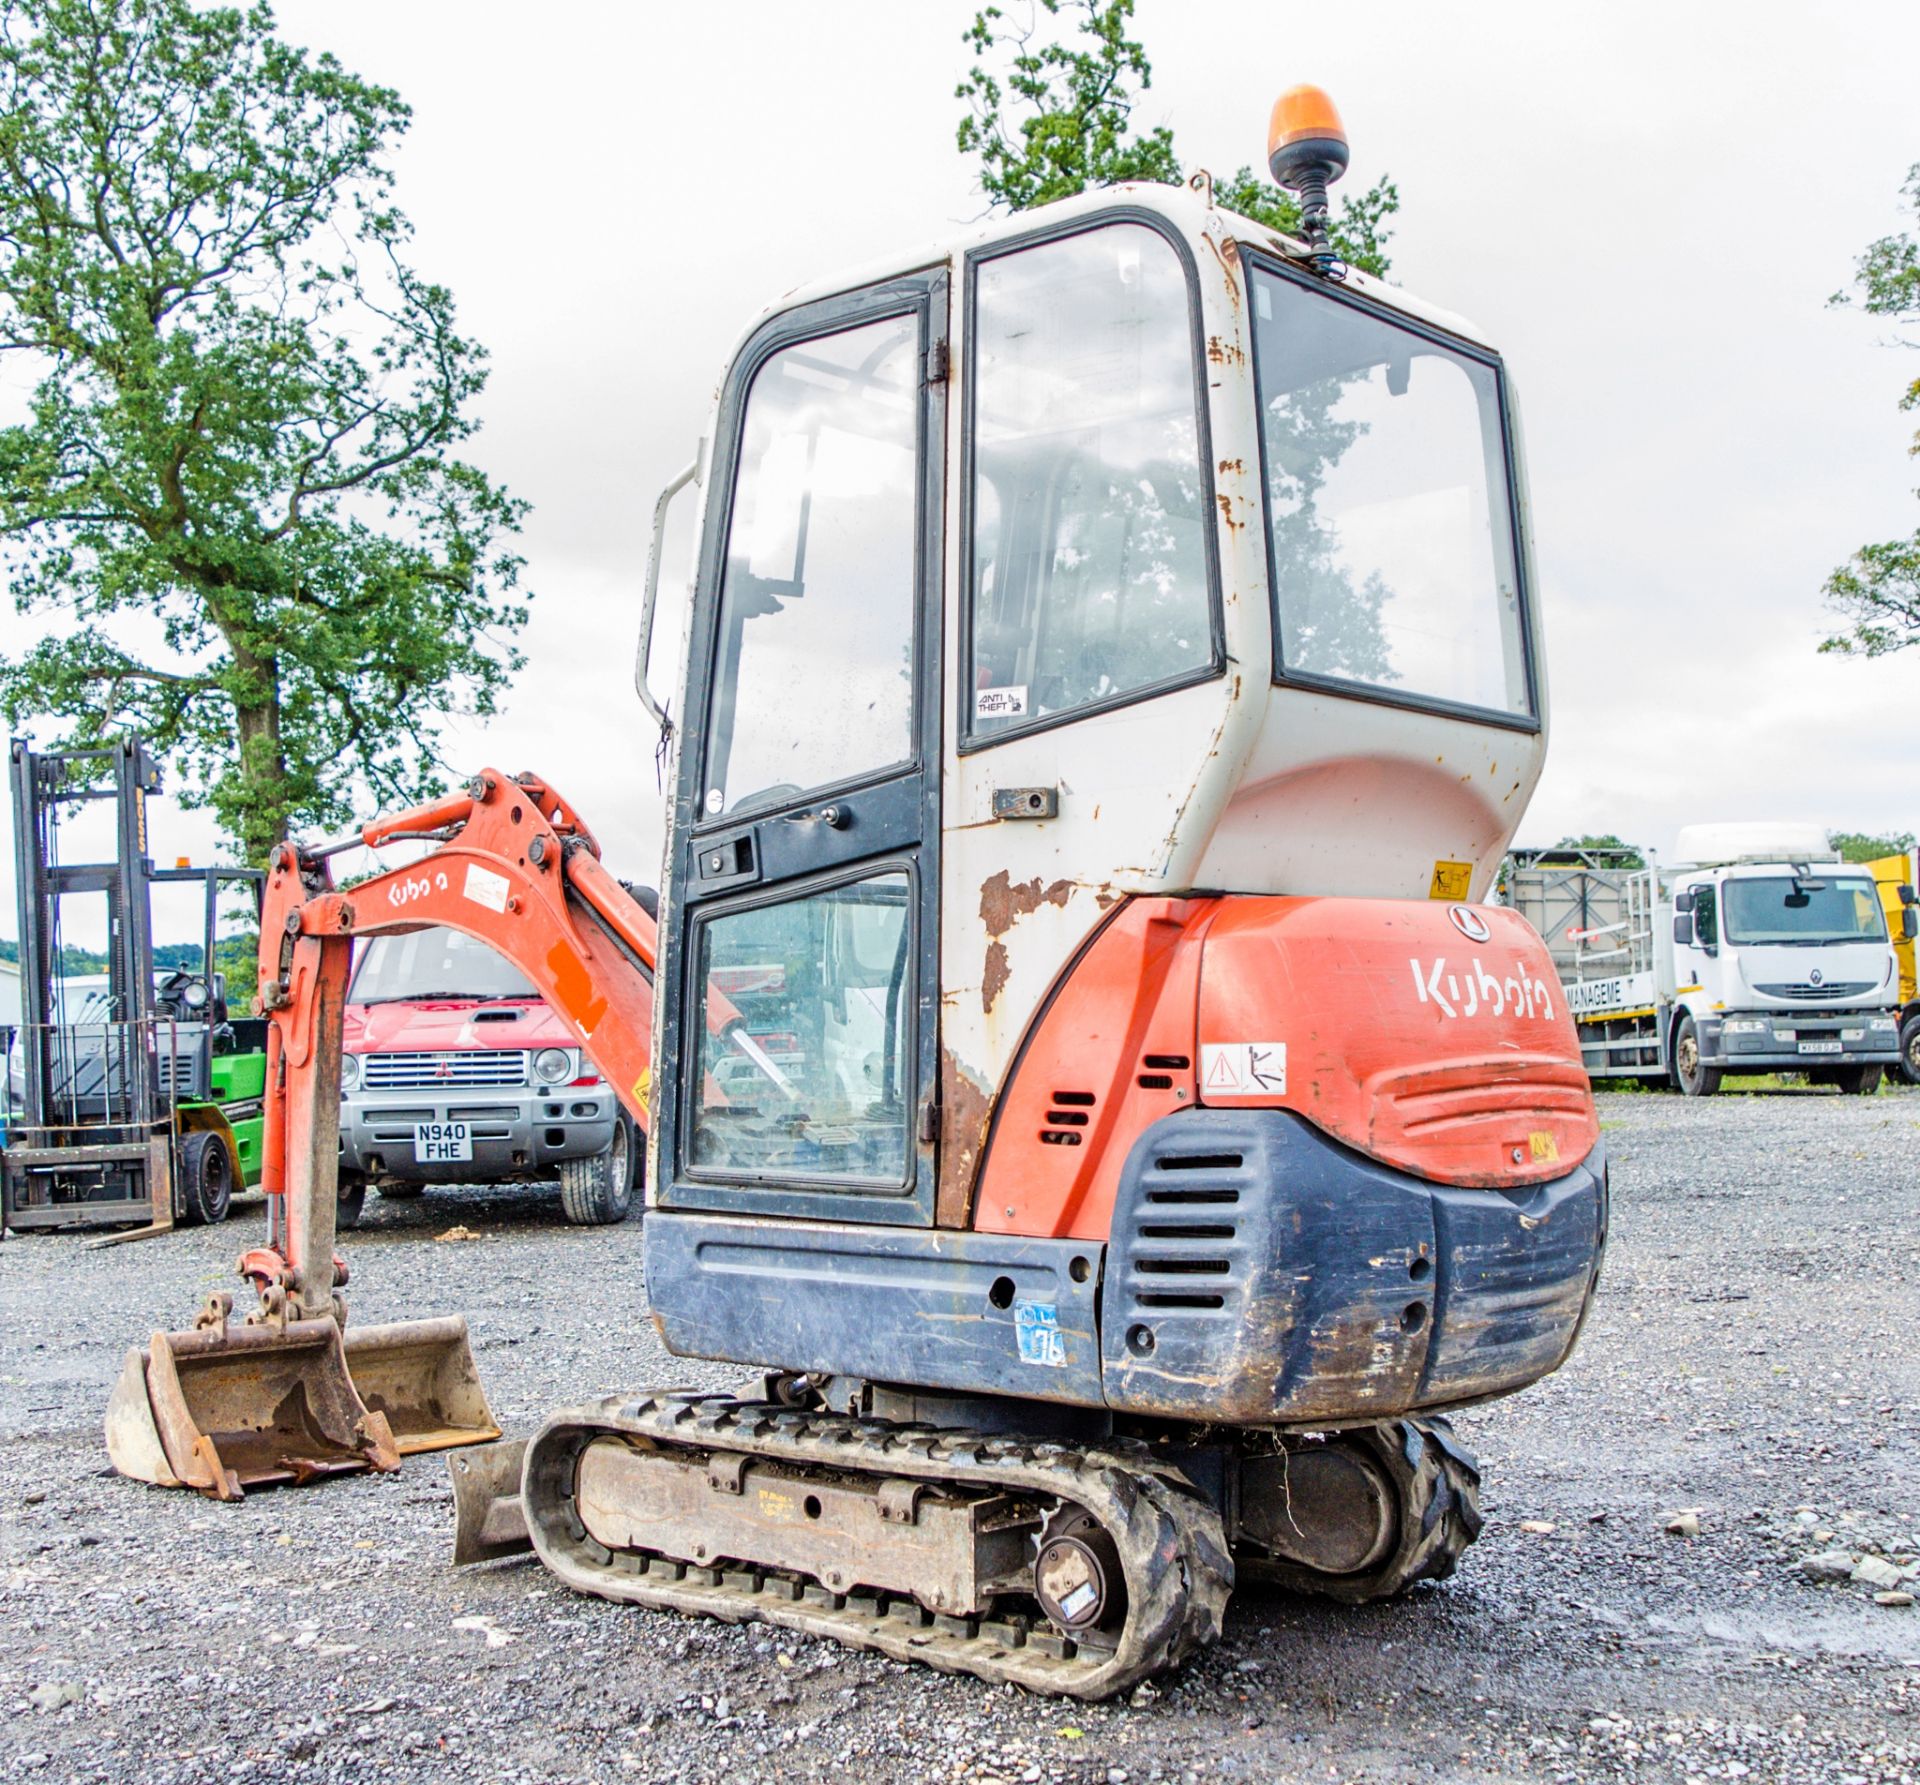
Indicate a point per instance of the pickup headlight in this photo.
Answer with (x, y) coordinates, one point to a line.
(1746, 1025)
(553, 1065)
(349, 1071)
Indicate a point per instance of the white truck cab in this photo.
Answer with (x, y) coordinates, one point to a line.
(1760, 951)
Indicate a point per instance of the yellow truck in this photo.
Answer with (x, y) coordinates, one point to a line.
(1898, 877)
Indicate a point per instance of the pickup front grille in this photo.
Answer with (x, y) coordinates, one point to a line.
(1833, 988)
(427, 1072)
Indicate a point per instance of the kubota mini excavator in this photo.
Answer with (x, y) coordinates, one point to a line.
(1084, 1082)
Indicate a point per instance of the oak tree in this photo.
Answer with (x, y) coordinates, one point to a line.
(1878, 589)
(235, 498)
(1049, 116)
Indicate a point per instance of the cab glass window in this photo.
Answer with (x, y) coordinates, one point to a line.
(1803, 911)
(434, 963)
(804, 1064)
(1090, 568)
(814, 682)
(1388, 511)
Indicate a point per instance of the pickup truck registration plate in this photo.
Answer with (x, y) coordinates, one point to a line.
(1820, 1047)
(444, 1143)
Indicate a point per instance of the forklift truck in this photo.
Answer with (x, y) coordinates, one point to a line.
(137, 1104)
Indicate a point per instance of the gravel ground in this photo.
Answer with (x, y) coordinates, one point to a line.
(1752, 1362)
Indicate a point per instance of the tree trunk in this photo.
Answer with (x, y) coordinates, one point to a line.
(263, 765)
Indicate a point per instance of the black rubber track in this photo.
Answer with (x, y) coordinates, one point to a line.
(1172, 1546)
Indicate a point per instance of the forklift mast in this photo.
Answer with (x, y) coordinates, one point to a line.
(91, 1137)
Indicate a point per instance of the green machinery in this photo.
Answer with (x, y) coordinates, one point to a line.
(133, 1097)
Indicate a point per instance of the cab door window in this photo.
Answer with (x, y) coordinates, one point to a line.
(1091, 567)
(814, 682)
(806, 1063)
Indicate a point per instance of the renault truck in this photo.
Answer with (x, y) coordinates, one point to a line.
(1757, 951)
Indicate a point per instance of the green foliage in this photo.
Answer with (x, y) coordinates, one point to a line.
(1858, 846)
(236, 497)
(1878, 589)
(1056, 119)
(1605, 841)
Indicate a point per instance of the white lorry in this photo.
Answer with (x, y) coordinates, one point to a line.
(1760, 952)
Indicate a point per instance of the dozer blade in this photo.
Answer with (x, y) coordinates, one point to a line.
(420, 1375)
(489, 1517)
(226, 1408)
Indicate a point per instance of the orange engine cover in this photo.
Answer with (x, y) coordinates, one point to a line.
(1431, 1037)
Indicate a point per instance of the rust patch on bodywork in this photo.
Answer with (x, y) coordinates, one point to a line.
(1002, 903)
(1225, 353)
(1226, 510)
(965, 1112)
(993, 978)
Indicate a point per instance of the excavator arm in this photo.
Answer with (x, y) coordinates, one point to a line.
(292, 1394)
(513, 867)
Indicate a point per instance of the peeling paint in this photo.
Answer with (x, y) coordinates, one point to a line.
(1002, 903)
(966, 1109)
(994, 975)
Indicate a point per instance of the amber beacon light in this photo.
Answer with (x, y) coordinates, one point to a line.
(1306, 153)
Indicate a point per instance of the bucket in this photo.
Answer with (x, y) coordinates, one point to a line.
(225, 1408)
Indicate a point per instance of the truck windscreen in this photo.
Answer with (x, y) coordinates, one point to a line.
(1393, 560)
(1805, 913)
(434, 963)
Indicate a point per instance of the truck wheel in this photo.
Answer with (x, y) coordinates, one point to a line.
(1694, 1079)
(206, 1179)
(350, 1202)
(597, 1192)
(1857, 1081)
(1908, 1071)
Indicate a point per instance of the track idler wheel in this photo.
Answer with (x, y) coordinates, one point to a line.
(1078, 1578)
(1359, 1516)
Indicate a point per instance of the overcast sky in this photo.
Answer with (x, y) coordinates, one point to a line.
(1646, 207)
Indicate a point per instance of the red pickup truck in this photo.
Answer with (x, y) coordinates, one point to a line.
(456, 1072)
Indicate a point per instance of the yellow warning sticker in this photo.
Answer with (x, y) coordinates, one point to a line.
(1452, 881)
(643, 1088)
(1546, 1150)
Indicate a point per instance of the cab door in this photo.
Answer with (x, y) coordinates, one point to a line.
(798, 1060)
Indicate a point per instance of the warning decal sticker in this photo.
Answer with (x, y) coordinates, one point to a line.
(1242, 1069)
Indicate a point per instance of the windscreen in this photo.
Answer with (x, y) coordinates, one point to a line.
(1388, 505)
(435, 963)
(1807, 913)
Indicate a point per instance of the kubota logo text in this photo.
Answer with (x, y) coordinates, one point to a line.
(1474, 991)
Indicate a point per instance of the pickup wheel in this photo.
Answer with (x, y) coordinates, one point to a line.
(597, 1192)
(1908, 1071)
(351, 1200)
(206, 1179)
(1694, 1079)
(400, 1189)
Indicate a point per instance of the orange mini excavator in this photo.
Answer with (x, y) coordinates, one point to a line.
(1085, 1084)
